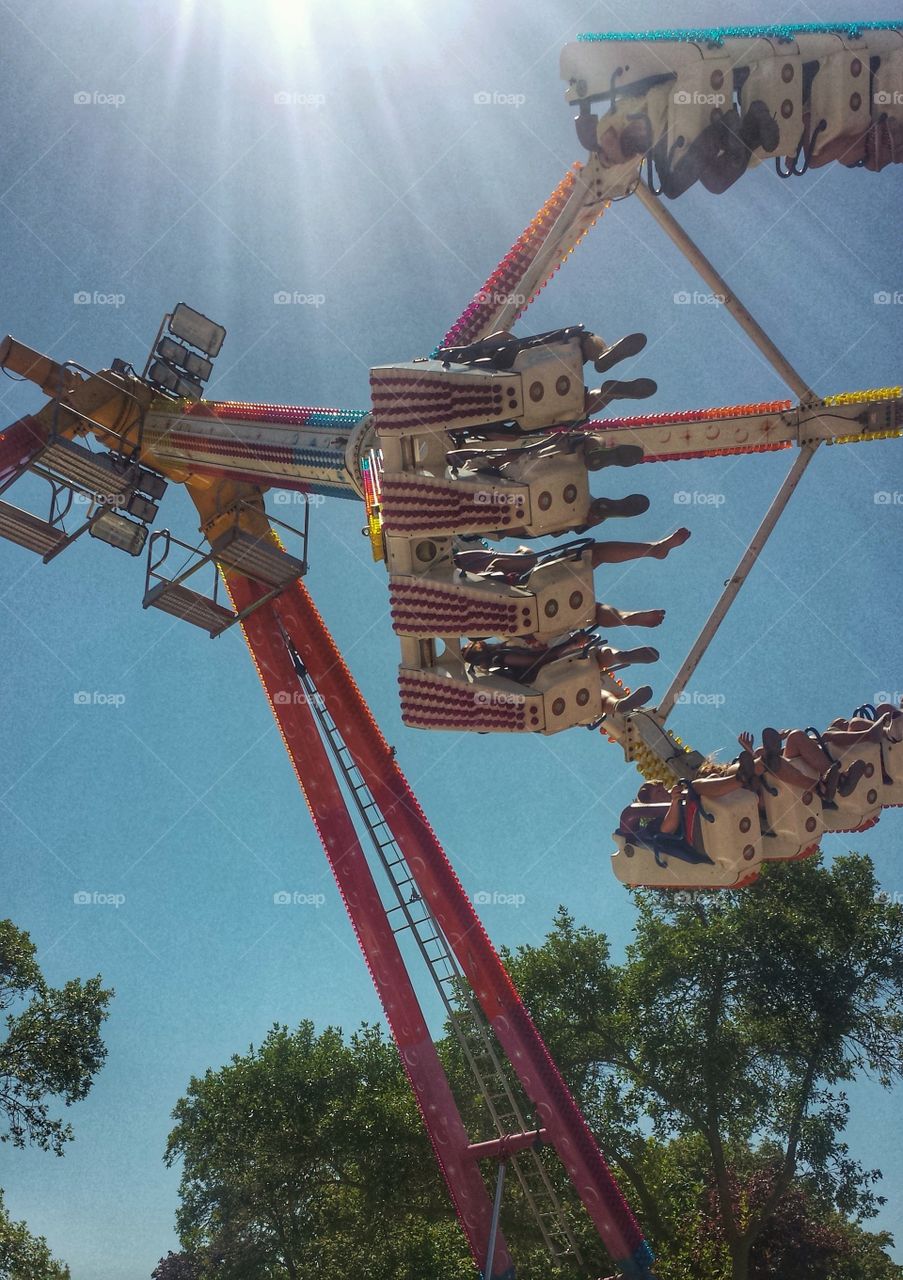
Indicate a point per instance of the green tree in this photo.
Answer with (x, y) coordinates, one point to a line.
(52, 1048)
(24, 1256)
(306, 1157)
(710, 1063)
(52, 1051)
(732, 1027)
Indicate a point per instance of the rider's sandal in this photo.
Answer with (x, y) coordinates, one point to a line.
(746, 770)
(827, 784)
(850, 779)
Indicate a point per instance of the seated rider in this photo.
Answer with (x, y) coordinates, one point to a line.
(521, 662)
(781, 747)
(666, 821)
(514, 566)
(485, 461)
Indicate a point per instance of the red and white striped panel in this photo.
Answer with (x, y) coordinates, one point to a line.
(417, 399)
(431, 701)
(423, 608)
(420, 504)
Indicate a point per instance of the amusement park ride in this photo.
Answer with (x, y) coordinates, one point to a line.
(493, 436)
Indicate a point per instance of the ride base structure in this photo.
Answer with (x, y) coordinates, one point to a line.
(491, 436)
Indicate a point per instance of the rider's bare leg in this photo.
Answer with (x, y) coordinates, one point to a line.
(618, 552)
(799, 746)
(671, 821)
(715, 787)
(786, 772)
(844, 739)
(608, 616)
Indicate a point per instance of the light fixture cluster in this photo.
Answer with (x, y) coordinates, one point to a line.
(180, 365)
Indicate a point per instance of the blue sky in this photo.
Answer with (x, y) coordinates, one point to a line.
(385, 187)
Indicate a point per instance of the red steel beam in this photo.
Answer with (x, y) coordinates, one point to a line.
(559, 1114)
(374, 933)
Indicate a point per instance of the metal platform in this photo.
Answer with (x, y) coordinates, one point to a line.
(190, 606)
(95, 473)
(29, 531)
(257, 557)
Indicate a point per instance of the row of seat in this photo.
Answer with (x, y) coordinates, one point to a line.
(732, 847)
(438, 498)
(708, 109)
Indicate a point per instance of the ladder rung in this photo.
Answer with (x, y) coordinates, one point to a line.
(467, 1018)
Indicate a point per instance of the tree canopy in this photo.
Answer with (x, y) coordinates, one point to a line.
(306, 1154)
(711, 1062)
(51, 1052)
(24, 1256)
(53, 1048)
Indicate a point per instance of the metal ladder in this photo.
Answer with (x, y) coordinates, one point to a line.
(411, 912)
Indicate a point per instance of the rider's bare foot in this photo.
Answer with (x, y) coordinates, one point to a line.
(660, 549)
(850, 779)
(645, 618)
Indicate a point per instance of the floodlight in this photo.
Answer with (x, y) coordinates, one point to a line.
(175, 354)
(119, 532)
(165, 376)
(150, 483)
(196, 329)
(141, 508)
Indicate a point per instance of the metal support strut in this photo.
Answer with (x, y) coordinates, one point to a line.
(496, 1210)
(787, 374)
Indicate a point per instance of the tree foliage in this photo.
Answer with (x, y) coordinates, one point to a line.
(734, 1022)
(711, 1063)
(305, 1154)
(52, 1048)
(24, 1256)
(176, 1266)
(52, 1051)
